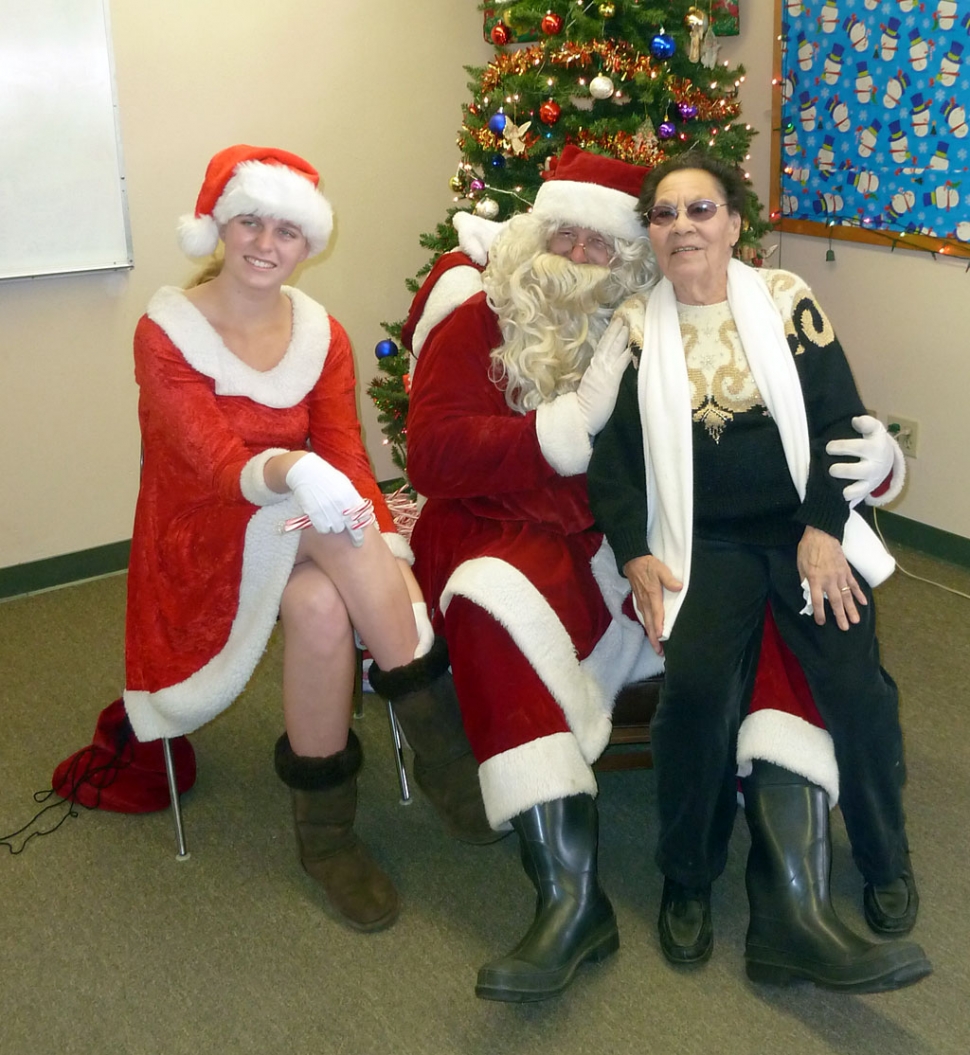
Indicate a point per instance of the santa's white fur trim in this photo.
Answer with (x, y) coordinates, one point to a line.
(590, 205)
(514, 602)
(540, 771)
(252, 480)
(562, 435)
(454, 287)
(789, 741)
(283, 386)
(268, 557)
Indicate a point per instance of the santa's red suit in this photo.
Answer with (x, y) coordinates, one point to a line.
(540, 628)
(209, 556)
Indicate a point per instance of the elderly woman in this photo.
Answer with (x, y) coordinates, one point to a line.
(711, 482)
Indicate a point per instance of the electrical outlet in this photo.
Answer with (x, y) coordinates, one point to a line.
(906, 433)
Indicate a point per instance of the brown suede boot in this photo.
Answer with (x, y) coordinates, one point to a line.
(324, 792)
(445, 769)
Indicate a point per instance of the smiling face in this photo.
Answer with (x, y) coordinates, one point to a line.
(694, 254)
(262, 249)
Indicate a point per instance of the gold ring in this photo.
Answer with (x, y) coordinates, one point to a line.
(846, 589)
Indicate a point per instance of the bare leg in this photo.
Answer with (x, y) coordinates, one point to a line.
(318, 663)
(371, 584)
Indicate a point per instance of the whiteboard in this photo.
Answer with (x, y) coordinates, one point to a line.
(63, 204)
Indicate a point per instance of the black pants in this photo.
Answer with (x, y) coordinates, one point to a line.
(710, 662)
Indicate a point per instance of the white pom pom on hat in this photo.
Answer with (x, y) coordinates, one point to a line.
(258, 181)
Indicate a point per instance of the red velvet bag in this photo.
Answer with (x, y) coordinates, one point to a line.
(118, 772)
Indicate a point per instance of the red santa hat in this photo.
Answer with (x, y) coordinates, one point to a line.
(258, 181)
(590, 190)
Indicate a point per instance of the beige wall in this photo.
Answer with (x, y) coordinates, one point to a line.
(372, 95)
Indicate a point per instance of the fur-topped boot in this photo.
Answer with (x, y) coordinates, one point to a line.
(324, 792)
(426, 706)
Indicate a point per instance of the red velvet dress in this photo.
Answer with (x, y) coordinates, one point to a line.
(208, 558)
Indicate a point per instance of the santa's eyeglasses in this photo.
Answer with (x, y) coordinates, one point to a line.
(699, 211)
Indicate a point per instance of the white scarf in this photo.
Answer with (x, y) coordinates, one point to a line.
(665, 412)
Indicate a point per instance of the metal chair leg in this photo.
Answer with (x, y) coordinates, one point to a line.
(173, 792)
(402, 773)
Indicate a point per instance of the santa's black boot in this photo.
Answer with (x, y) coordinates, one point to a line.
(794, 932)
(574, 920)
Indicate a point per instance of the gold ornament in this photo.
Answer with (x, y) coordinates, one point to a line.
(697, 22)
(456, 184)
(607, 10)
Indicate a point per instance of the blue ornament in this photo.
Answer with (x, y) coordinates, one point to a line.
(385, 349)
(497, 161)
(666, 130)
(662, 46)
(496, 123)
(686, 111)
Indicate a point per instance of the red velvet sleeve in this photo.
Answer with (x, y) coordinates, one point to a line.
(465, 443)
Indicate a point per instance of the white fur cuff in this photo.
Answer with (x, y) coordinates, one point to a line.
(561, 431)
(252, 483)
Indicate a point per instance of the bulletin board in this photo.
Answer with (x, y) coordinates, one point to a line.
(870, 122)
(63, 202)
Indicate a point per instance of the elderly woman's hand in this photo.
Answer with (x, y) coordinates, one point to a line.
(649, 578)
(822, 564)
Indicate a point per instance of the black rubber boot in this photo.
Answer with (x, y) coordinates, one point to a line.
(794, 932)
(426, 706)
(324, 792)
(574, 919)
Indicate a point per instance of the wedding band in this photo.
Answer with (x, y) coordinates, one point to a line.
(846, 589)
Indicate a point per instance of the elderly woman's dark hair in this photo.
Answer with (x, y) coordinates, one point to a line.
(729, 176)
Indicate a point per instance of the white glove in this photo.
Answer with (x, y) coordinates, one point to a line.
(875, 453)
(328, 498)
(601, 382)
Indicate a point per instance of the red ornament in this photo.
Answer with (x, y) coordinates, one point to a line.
(549, 112)
(501, 34)
(551, 23)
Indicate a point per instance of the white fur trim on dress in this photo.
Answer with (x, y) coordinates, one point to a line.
(898, 478)
(398, 545)
(252, 479)
(561, 432)
(789, 741)
(268, 557)
(542, 770)
(204, 350)
(454, 287)
(590, 205)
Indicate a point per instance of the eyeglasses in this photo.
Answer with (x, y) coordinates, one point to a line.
(565, 240)
(699, 211)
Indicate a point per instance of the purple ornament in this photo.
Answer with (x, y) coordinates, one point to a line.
(662, 46)
(496, 123)
(477, 185)
(686, 111)
(666, 130)
(385, 349)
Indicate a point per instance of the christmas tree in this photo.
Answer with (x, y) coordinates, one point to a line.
(639, 80)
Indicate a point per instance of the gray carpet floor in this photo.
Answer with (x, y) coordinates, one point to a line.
(110, 946)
